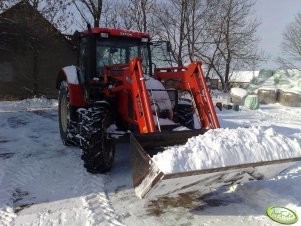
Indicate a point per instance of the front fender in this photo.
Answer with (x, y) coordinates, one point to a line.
(76, 91)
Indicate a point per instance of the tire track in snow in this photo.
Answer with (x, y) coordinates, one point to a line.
(60, 204)
(96, 201)
(90, 196)
(85, 204)
(20, 175)
(16, 171)
(66, 207)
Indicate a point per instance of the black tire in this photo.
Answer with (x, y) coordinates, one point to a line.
(97, 149)
(68, 128)
(183, 114)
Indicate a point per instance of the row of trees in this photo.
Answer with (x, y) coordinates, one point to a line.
(221, 33)
(291, 45)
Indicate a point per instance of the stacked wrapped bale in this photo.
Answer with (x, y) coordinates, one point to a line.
(299, 84)
(289, 98)
(267, 95)
(283, 86)
(252, 102)
(258, 81)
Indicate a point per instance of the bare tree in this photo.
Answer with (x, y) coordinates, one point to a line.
(172, 17)
(5, 4)
(291, 45)
(195, 26)
(89, 10)
(231, 41)
(131, 14)
(117, 14)
(56, 12)
(141, 14)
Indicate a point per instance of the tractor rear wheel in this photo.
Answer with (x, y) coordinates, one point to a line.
(68, 128)
(97, 149)
(183, 114)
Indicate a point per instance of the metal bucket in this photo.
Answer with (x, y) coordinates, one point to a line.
(150, 182)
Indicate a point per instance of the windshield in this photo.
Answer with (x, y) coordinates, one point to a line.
(119, 51)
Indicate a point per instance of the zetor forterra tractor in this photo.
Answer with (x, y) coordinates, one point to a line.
(117, 84)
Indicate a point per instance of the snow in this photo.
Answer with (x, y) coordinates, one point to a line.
(160, 98)
(27, 105)
(180, 128)
(163, 121)
(227, 147)
(43, 182)
(114, 132)
(239, 92)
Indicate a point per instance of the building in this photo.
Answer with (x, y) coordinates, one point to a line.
(236, 79)
(32, 51)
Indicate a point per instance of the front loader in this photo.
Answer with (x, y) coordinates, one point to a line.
(117, 92)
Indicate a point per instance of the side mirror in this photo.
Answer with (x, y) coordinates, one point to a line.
(160, 43)
(75, 37)
(168, 46)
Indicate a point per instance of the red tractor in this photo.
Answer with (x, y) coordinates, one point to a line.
(117, 83)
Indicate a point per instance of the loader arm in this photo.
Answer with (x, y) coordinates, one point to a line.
(140, 98)
(192, 79)
(132, 80)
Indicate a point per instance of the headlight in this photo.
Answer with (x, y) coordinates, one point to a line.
(144, 39)
(104, 35)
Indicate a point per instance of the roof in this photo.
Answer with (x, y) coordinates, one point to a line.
(240, 76)
(243, 76)
(23, 6)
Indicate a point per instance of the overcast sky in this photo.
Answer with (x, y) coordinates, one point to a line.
(275, 15)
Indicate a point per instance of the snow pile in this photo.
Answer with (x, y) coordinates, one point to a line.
(239, 92)
(226, 147)
(286, 80)
(28, 104)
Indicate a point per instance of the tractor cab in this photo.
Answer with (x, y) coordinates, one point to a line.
(100, 47)
(103, 49)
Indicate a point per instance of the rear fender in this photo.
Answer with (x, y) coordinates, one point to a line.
(76, 91)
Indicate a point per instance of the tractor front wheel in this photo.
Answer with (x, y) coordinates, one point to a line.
(183, 114)
(97, 149)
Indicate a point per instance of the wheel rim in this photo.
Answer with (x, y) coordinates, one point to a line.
(64, 113)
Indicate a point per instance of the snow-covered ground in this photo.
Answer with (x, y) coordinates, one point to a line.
(43, 182)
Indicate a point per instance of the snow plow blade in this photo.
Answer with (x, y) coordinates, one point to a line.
(150, 182)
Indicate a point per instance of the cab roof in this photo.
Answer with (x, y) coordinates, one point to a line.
(116, 32)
